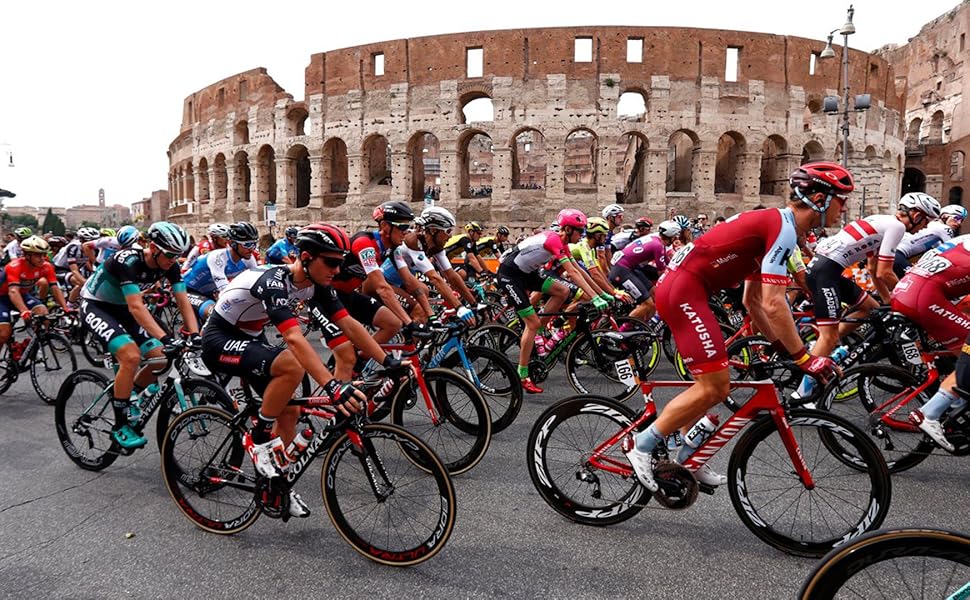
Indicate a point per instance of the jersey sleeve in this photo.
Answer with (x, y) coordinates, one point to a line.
(271, 290)
(778, 248)
(48, 272)
(420, 259)
(12, 270)
(366, 251)
(441, 262)
(554, 246)
(217, 268)
(890, 240)
(469, 246)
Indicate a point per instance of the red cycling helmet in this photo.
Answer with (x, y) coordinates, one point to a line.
(832, 179)
(322, 237)
(570, 217)
(643, 221)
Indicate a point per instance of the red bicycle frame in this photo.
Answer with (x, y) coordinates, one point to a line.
(411, 356)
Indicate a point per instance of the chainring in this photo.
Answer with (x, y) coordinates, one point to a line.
(538, 371)
(678, 488)
(271, 498)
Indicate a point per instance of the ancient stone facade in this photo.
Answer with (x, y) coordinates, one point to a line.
(536, 126)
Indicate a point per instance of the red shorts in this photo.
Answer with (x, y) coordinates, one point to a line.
(682, 303)
(926, 305)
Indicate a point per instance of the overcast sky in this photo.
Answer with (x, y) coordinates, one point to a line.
(91, 92)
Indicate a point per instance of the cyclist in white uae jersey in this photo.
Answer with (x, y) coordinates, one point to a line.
(937, 232)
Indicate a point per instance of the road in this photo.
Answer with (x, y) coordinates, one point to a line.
(68, 533)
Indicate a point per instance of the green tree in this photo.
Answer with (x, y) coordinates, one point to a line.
(53, 223)
(24, 221)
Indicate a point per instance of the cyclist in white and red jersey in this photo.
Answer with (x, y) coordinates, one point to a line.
(519, 273)
(937, 232)
(875, 238)
(752, 247)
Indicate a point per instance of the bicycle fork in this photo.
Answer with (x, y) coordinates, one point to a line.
(363, 448)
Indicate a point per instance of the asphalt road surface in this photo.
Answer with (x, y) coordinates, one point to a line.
(66, 533)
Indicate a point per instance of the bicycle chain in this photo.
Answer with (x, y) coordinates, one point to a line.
(671, 474)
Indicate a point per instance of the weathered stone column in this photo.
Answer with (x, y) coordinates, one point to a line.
(355, 192)
(233, 190)
(749, 179)
(555, 173)
(318, 166)
(606, 177)
(702, 174)
(501, 174)
(285, 188)
(450, 177)
(401, 176)
(655, 186)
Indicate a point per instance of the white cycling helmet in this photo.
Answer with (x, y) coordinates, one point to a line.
(88, 234)
(219, 230)
(926, 204)
(612, 210)
(953, 210)
(682, 221)
(435, 217)
(669, 229)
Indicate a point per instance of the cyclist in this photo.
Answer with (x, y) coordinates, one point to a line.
(632, 270)
(467, 244)
(613, 213)
(126, 237)
(875, 236)
(12, 250)
(584, 252)
(20, 277)
(494, 246)
(217, 237)
(70, 263)
(113, 310)
(283, 251)
(213, 270)
(518, 274)
(234, 343)
(935, 233)
(751, 247)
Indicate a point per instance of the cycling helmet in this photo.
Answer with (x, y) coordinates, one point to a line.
(24, 232)
(169, 237)
(596, 225)
(219, 230)
(435, 217)
(643, 222)
(108, 232)
(503, 230)
(669, 229)
(831, 179)
(291, 232)
(87, 234)
(554, 227)
(322, 237)
(473, 226)
(682, 222)
(243, 232)
(612, 210)
(396, 212)
(35, 245)
(570, 217)
(127, 236)
(926, 204)
(57, 241)
(953, 210)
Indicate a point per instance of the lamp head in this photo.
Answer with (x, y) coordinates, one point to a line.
(848, 28)
(828, 52)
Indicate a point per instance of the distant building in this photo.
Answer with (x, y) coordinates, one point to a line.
(151, 209)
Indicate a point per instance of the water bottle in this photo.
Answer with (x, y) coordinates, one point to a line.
(299, 444)
(554, 339)
(697, 435)
(540, 345)
(839, 354)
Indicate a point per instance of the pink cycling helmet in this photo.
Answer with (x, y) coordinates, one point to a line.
(570, 217)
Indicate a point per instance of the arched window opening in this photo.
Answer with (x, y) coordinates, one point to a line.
(529, 161)
(812, 151)
(957, 164)
(266, 175)
(680, 162)
(729, 149)
(912, 133)
(579, 165)
(240, 133)
(477, 109)
(935, 133)
(774, 167)
(476, 163)
(956, 195)
(632, 106)
(377, 161)
(300, 175)
(189, 193)
(425, 167)
(913, 180)
(631, 162)
(297, 121)
(336, 175)
(243, 177)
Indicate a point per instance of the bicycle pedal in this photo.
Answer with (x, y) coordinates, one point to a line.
(705, 488)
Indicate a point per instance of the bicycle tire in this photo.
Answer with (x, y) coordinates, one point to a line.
(95, 351)
(867, 553)
(586, 377)
(902, 445)
(752, 358)
(209, 435)
(497, 337)
(52, 362)
(870, 493)
(498, 379)
(83, 409)
(389, 452)
(569, 485)
(198, 392)
(9, 372)
(464, 429)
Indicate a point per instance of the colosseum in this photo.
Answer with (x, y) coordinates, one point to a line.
(507, 127)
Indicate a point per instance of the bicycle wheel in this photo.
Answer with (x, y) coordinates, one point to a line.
(894, 563)
(95, 351)
(497, 337)
(559, 448)
(394, 504)
(83, 419)
(52, 362)
(594, 362)
(495, 378)
(8, 368)
(772, 502)
(195, 392)
(875, 408)
(460, 428)
(207, 472)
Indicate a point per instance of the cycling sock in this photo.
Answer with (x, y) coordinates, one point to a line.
(120, 406)
(263, 430)
(648, 440)
(938, 404)
(523, 371)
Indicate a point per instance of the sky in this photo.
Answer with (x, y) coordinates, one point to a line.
(91, 92)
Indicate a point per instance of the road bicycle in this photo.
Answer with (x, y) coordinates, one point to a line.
(392, 501)
(84, 416)
(894, 563)
(93, 349)
(46, 353)
(785, 480)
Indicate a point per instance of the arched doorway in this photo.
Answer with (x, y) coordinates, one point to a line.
(913, 180)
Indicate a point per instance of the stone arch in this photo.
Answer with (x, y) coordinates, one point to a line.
(681, 147)
(240, 133)
(870, 153)
(812, 151)
(376, 161)
(914, 180)
(243, 176)
(631, 167)
(188, 181)
(336, 172)
(529, 159)
(935, 133)
(266, 174)
(299, 175)
(476, 107)
(296, 120)
(425, 152)
(955, 195)
(203, 180)
(774, 166)
(475, 160)
(729, 148)
(220, 181)
(581, 153)
(632, 105)
(838, 152)
(912, 132)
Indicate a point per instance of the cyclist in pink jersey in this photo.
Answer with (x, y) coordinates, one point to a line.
(632, 271)
(752, 247)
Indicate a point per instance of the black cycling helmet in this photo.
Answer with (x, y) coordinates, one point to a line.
(291, 232)
(322, 237)
(503, 230)
(243, 232)
(396, 212)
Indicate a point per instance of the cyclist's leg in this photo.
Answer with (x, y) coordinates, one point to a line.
(43, 288)
(6, 329)
(286, 373)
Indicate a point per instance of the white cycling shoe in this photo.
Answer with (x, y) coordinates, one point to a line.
(298, 507)
(266, 457)
(643, 466)
(932, 428)
(709, 476)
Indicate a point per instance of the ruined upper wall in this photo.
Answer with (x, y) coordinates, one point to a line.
(233, 94)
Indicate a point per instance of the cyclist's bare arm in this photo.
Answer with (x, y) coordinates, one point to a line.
(376, 284)
(768, 306)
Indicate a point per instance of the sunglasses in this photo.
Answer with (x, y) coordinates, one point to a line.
(248, 245)
(331, 261)
(644, 226)
(400, 226)
(170, 255)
